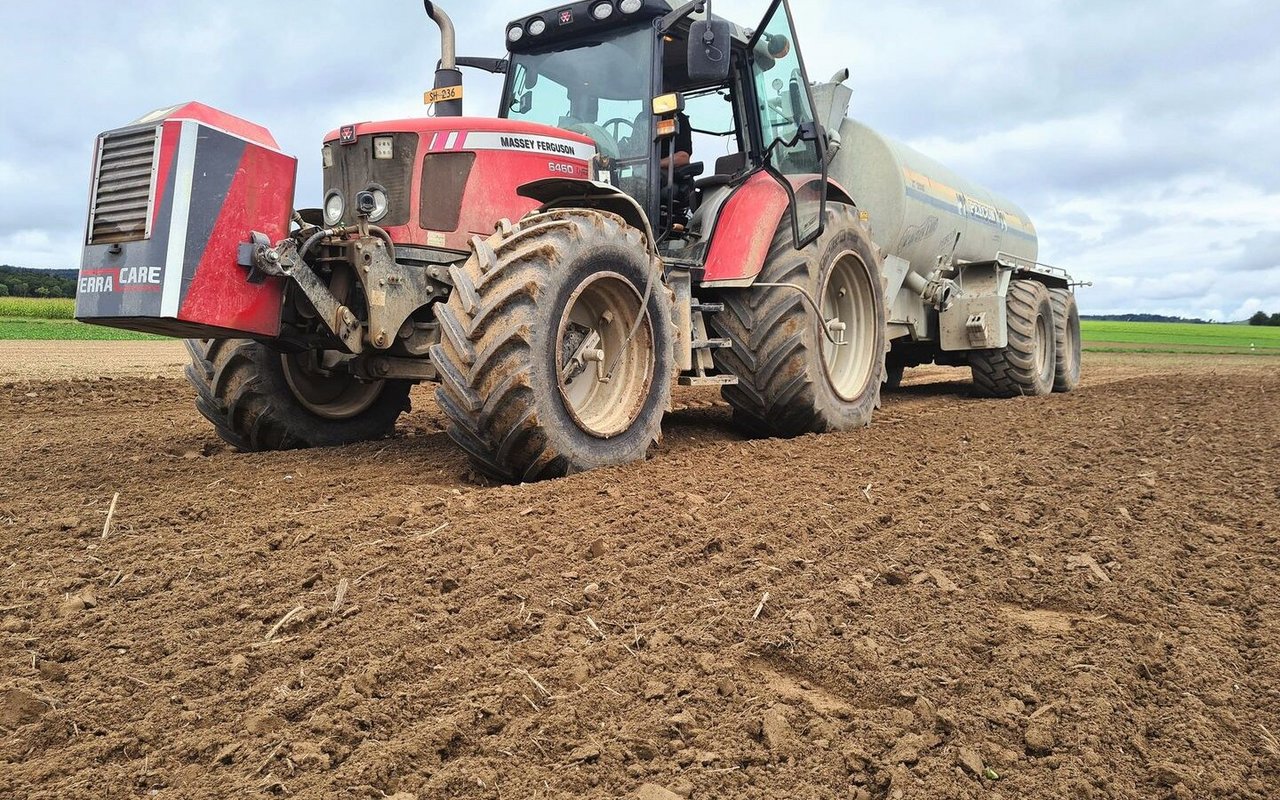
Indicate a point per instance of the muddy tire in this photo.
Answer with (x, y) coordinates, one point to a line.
(1026, 365)
(1066, 339)
(791, 379)
(259, 399)
(529, 301)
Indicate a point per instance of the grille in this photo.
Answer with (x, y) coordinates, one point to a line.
(355, 169)
(123, 187)
(444, 181)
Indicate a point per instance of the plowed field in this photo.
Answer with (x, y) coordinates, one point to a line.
(1075, 596)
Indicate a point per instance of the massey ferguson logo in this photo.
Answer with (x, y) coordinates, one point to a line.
(347, 134)
(124, 279)
(543, 145)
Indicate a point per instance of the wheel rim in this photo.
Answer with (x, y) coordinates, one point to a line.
(848, 301)
(324, 388)
(1044, 346)
(592, 338)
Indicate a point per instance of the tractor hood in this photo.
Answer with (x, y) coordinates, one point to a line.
(442, 180)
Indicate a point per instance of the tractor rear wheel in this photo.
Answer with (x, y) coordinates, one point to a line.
(261, 399)
(1025, 366)
(1066, 338)
(555, 352)
(792, 378)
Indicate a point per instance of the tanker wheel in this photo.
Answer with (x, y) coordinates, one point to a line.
(792, 379)
(1066, 339)
(556, 347)
(1025, 366)
(260, 399)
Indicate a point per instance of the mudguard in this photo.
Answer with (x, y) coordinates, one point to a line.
(745, 228)
(574, 193)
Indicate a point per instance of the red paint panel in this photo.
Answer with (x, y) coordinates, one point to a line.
(745, 229)
(224, 121)
(259, 199)
(168, 148)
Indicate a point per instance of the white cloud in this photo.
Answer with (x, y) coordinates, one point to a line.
(1141, 142)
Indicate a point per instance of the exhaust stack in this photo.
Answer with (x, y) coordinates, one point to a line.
(448, 76)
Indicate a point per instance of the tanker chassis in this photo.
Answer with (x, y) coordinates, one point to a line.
(556, 270)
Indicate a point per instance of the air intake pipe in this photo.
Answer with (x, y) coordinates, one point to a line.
(447, 74)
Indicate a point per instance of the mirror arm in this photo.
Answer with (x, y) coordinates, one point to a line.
(497, 66)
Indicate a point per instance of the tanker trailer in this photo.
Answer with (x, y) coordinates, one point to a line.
(963, 286)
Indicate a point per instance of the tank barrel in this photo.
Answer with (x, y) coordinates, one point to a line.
(447, 74)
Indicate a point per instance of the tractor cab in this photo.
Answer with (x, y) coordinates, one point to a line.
(683, 107)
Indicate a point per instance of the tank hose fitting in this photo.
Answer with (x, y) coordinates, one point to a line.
(935, 290)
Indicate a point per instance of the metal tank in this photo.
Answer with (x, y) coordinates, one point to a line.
(917, 206)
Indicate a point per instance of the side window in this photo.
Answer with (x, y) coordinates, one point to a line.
(715, 132)
(785, 108)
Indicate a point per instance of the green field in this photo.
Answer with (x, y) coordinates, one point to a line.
(52, 319)
(1176, 337)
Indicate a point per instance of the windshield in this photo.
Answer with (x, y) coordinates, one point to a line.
(598, 86)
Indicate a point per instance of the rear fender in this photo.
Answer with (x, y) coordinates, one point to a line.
(555, 193)
(746, 225)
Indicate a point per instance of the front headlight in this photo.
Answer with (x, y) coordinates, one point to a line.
(334, 208)
(381, 205)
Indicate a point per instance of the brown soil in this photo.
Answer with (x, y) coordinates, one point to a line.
(1073, 596)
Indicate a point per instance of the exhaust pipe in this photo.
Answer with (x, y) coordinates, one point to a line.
(447, 74)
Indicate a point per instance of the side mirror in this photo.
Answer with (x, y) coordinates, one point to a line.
(709, 50)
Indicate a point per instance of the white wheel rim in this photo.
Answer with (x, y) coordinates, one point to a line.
(606, 305)
(848, 313)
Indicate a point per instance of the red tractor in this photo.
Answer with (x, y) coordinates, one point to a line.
(556, 269)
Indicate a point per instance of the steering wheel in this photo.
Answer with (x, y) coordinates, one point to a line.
(617, 123)
(605, 141)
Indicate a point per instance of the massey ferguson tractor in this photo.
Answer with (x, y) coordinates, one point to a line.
(558, 268)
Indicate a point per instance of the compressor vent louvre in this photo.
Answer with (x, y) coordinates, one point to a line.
(124, 186)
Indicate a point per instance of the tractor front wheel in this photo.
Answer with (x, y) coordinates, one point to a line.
(261, 399)
(555, 353)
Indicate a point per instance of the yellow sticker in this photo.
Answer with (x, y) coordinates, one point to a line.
(441, 95)
(435, 239)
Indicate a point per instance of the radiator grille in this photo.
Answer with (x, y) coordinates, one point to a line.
(124, 186)
(355, 169)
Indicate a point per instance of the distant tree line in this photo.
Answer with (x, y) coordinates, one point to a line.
(24, 282)
(1261, 318)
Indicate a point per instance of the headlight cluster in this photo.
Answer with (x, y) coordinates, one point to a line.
(601, 11)
(335, 205)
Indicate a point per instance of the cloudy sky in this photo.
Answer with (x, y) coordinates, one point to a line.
(1140, 136)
